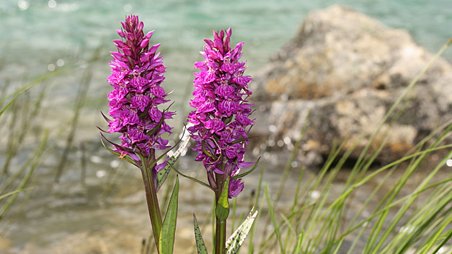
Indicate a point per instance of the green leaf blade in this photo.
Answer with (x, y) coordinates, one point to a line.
(222, 209)
(200, 246)
(166, 243)
(162, 175)
(239, 176)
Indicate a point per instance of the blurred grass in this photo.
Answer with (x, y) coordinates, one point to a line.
(398, 222)
(416, 221)
(23, 137)
(22, 108)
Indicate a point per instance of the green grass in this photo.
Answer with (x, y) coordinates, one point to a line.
(24, 140)
(399, 219)
(16, 111)
(396, 220)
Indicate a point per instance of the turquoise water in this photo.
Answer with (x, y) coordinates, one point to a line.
(34, 34)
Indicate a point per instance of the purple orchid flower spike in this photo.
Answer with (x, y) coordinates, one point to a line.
(221, 118)
(136, 78)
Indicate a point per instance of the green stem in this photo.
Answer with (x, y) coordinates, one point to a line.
(220, 236)
(220, 224)
(153, 204)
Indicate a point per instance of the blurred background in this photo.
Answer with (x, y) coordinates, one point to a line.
(38, 36)
(54, 56)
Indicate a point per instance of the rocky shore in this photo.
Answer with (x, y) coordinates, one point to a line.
(338, 78)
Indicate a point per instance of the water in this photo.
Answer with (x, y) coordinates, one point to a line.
(35, 34)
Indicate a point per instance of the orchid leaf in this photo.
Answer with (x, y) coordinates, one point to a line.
(200, 246)
(236, 240)
(167, 235)
(222, 209)
(162, 175)
(191, 178)
(105, 117)
(127, 158)
(239, 176)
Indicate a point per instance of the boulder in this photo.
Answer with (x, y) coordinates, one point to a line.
(335, 82)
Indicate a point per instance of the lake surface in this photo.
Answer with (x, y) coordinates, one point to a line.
(34, 35)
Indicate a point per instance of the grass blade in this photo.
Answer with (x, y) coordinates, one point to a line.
(276, 226)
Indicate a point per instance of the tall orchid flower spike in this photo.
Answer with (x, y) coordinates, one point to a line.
(220, 123)
(221, 118)
(136, 78)
(137, 73)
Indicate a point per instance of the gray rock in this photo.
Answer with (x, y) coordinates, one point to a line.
(337, 79)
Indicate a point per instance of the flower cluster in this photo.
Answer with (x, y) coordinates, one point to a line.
(221, 117)
(137, 73)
